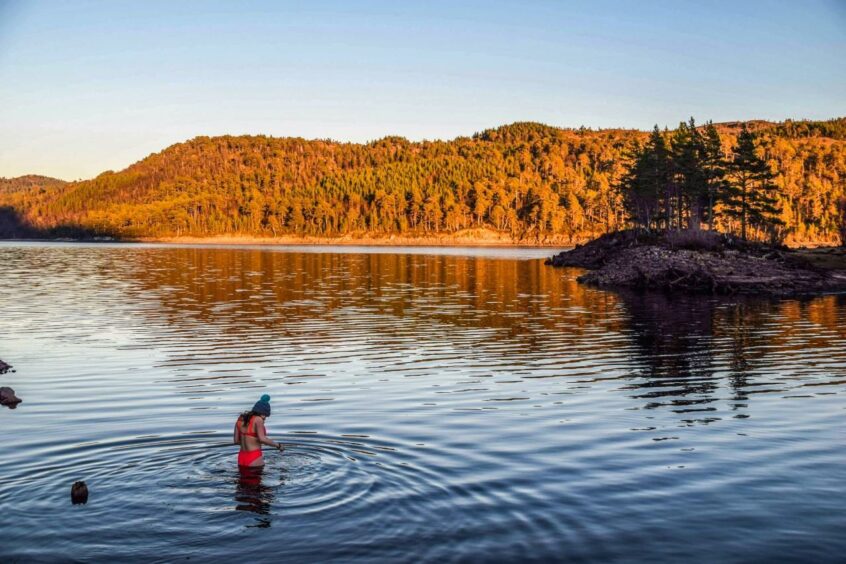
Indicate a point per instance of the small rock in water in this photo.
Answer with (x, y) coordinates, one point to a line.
(4, 367)
(8, 397)
(79, 493)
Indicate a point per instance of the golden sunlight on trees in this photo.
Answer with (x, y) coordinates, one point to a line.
(527, 181)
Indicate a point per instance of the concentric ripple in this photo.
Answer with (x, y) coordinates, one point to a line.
(461, 405)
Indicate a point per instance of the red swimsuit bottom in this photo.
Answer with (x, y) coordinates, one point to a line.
(247, 457)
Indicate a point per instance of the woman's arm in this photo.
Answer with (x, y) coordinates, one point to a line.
(263, 438)
(236, 437)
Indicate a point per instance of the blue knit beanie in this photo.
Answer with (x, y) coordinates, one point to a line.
(262, 406)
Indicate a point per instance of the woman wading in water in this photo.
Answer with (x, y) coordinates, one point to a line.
(250, 434)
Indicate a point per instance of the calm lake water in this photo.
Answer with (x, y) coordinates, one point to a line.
(439, 405)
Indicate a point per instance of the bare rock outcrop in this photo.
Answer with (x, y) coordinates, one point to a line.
(698, 262)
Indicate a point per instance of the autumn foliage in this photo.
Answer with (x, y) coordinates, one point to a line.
(532, 182)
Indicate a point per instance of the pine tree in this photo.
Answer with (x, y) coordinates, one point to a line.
(688, 156)
(647, 180)
(662, 169)
(639, 198)
(714, 168)
(748, 196)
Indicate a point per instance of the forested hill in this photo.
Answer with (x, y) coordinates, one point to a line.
(28, 183)
(532, 182)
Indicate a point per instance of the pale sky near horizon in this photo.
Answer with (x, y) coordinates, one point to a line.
(89, 86)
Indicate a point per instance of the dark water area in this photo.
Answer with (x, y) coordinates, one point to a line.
(436, 405)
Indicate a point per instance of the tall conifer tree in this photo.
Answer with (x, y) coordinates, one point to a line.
(647, 180)
(714, 168)
(749, 195)
(689, 172)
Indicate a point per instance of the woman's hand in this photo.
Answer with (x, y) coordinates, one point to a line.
(279, 447)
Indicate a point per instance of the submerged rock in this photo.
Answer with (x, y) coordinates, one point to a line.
(8, 397)
(698, 262)
(4, 367)
(79, 493)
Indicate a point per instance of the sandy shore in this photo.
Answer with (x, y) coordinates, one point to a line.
(824, 252)
(488, 239)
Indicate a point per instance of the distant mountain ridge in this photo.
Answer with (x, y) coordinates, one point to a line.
(528, 181)
(28, 182)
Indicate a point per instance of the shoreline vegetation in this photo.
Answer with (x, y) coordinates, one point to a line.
(536, 184)
(466, 238)
(675, 185)
(369, 240)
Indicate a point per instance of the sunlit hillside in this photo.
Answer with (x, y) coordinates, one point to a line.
(530, 182)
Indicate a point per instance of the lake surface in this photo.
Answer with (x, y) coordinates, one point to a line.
(436, 404)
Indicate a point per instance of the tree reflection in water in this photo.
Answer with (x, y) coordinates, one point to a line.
(471, 406)
(689, 347)
(248, 309)
(672, 339)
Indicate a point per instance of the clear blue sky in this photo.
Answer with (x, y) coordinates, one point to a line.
(90, 86)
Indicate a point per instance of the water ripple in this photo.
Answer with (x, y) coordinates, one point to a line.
(435, 406)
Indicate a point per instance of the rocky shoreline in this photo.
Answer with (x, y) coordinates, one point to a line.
(703, 262)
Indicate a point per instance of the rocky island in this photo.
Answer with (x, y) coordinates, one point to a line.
(704, 262)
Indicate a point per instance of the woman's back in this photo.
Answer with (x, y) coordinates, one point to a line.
(249, 434)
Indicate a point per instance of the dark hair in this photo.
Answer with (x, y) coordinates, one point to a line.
(246, 416)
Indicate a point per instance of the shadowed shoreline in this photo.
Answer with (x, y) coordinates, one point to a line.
(703, 262)
(14, 227)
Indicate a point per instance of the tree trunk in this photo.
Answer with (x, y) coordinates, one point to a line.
(710, 209)
(695, 222)
(669, 211)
